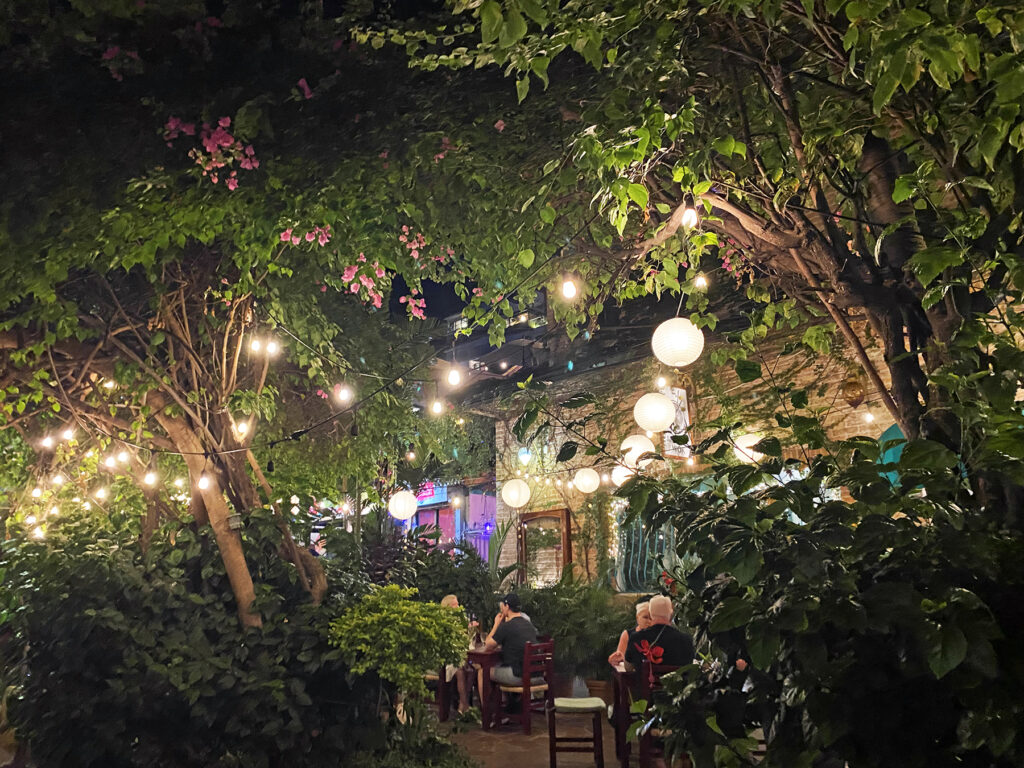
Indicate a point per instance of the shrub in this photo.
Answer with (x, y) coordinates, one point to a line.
(462, 572)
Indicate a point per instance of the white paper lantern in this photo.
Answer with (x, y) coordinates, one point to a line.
(621, 474)
(635, 446)
(654, 412)
(515, 493)
(587, 480)
(677, 342)
(744, 448)
(402, 505)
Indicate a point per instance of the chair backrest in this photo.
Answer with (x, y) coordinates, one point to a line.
(539, 660)
(650, 677)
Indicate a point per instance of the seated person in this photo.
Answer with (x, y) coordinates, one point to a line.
(643, 621)
(463, 674)
(661, 642)
(511, 632)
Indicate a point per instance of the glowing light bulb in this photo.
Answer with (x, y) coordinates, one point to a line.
(110, 461)
(46, 442)
(101, 493)
(700, 281)
(411, 456)
(30, 520)
(86, 505)
(460, 421)
(569, 288)
(204, 482)
(343, 392)
(454, 377)
(437, 406)
(109, 384)
(38, 532)
(149, 478)
(37, 492)
(242, 427)
(122, 456)
(503, 365)
(273, 347)
(255, 345)
(54, 510)
(178, 482)
(690, 217)
(58, 479)
(869, 417)
(604, 477)
(662, 382)
(294, 500)
(690, 462)
(68, 434)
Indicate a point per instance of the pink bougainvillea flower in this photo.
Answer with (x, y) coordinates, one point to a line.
(403, 299)
(296, 239)
(286, 235)
(310, 237)
(383, 155)
(402, 238)
(366, 280)
(361, 257)
(323, 236)
(110, 53)
(405, 229)
(213, 21)
(378, 300)
(323, 289)
(415, 253)
(232, 183)
(379, 271)
(349, 274)
(499, 126)
(354, 288)
(224, 122)
(304, 87)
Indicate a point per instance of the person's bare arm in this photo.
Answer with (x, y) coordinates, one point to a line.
(620, 652)
(490, 644)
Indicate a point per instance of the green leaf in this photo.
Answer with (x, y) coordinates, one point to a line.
(638, 194)
(748, 370)
(947, 650)
(526, 257)
(929, 263)
(731, 613)
(762, 644)
(513, 30)
(567, 451)
(522, 88)
(547, 214)
(490, 22)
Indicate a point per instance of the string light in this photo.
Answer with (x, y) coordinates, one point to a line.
(122, 456)
(869, 417)
(690, 461)
(54, 510)
(410, 456)
(179, 482)
(437, 406)
(690, 218)
(242, 427)
(204, 482)
(149, 478)
(30, 520)
(58, 479)
(68, 434)
(460, 421)
(255, 345)
(46, 442)
(700, 281)
(569, 288)
(503, 365)
(454, 377)
(661, 383)
(110, 461)
(273, 348)
(100, 493)
(86, 505)
(109, 384)
(37, 492)
(38, 532)
(343, 392)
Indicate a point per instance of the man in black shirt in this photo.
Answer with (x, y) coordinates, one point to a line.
(660, 643)
(511, 632)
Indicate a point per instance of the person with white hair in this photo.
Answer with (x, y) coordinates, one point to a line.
(661, 642)
(643, 621)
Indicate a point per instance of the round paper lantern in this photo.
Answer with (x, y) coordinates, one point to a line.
(744, 449)
(654, 412)
(677, 342)
(635, 446)
(621, 474)
(515, 493)
(402, 505)
(587, 480)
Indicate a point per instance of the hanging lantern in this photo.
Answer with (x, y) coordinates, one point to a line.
(677, 342)
(635, 446)
(515, 493)
(402, 505)
(852, 391)
(654, 412)
(621, 474)
(587, 480)
(744, 449)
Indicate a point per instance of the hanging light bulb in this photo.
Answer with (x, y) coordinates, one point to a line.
(677, 342)
(402, 505)
(37, 492)
(255, 345)
(690, 461)
(68, 434)
(437, 407)
(569, 288)
(869, 417)
(109, 384)
(655, 412)
(58, 479)
(604, 477)
(454, 377)
(38, 532)
(179, 482)
(661, 382)
(149, 478)
(460, 421)
(46, 442)
(273, 348)
(744, 449)
(587, 480)
(122, 457)
(690, 217)
(110, 461)
(503, 365)
(30, 520)
(204, 482)
(242, 427)
(54, 510)
(343, 392)
(410, 456)
(515, 493)
(700, 281)
(100, 493)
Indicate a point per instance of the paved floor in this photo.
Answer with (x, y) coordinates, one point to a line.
(507, 747)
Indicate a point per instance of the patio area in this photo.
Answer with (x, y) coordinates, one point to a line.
(509, 746)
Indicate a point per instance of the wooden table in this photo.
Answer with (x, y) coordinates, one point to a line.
(622, 684)
(486, 660)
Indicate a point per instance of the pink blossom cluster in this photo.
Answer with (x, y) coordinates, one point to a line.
(307, 92)
(417, 304)
(210, 22)
(446, 146)
(350, 275)
(322, 235)
(118, 60)
(321, 393)
(731, 252)
(222, 149)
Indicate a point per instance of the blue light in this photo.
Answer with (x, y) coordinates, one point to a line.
(488, 527)
(525, 455)
(569, 365)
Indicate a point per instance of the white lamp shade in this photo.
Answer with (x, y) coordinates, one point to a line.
(635, 446)
(744, 448)
(621, 474)
(402, 505)
(677, 342)
(587, 480)
(515, 493)
(654, 412)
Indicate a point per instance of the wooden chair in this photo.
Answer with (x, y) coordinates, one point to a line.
(442, 696)
(650, 684)
(591, 705)
(538, 662)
